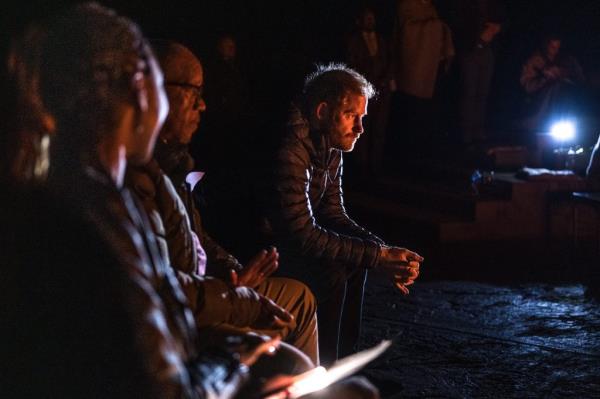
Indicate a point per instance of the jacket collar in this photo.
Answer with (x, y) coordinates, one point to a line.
(316, 140)
(174, 159)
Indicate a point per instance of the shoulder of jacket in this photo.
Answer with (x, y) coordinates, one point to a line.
(299, 128)
(297, 138)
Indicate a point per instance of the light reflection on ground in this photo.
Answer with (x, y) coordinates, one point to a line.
(462, 339)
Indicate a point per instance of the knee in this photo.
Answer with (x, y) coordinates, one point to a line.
(287, 360)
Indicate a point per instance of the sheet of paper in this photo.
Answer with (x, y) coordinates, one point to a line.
(320, 378)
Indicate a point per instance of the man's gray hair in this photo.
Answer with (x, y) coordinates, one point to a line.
(331, 83)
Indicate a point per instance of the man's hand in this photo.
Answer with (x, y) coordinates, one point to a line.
(257, 269)
(402, 265)
(250, 309)
(272, 315)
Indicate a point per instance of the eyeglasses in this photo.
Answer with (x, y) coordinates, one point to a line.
(198, 90)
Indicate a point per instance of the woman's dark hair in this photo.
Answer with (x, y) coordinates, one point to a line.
(88, 57)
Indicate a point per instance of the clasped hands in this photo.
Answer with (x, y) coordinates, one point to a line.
(401, 265)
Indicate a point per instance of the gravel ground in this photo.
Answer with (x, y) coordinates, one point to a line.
(472, 340)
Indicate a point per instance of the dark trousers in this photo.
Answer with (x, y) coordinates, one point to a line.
(476, 69)
(339, 312)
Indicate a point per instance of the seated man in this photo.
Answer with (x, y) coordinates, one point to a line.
(169, 213)
(319, 244)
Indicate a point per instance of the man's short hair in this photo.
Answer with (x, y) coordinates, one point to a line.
(331, 83)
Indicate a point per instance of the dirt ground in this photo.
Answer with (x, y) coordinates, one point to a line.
(472, 340)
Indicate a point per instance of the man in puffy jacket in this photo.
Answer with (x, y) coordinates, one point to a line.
(318, 243)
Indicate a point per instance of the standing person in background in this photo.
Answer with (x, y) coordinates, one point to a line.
(475, 24)
(230, 109)
(550, 77)
(367, 53)
(421, 48)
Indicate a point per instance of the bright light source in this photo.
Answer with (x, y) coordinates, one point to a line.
(563, 131)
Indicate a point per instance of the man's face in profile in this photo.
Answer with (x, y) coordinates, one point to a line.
(345, 122)
(187, 103)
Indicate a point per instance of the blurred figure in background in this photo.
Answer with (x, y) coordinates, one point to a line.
(551, 79)
(422, 51)
(367, 53)
(475, 25)
(65, 329)
(229, 110)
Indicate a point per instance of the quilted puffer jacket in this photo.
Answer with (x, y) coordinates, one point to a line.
(167, 214)
(176, 163)
(307, 218)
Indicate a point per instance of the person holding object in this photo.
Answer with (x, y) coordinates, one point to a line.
(319, 244)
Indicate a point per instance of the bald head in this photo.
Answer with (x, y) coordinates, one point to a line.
(184, 79)
(177, 61)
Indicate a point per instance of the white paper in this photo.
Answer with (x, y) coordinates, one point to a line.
(320, 378)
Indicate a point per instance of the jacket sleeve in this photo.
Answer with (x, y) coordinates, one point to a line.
(208, 299)
(168, 216)
(173, 371)
(219, 261)
(298, 220)
(178, 231)
(333, 213)
(207, 376)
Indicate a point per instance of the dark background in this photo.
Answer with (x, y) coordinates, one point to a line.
(279, 40)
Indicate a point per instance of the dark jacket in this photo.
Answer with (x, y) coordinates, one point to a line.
(307, 219)
(167, 213)
(66, 332)
(176, 163)
(163, 317)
